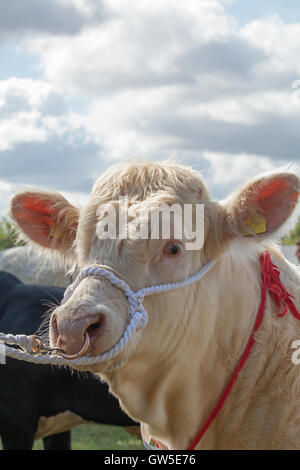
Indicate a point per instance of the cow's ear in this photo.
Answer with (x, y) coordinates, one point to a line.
(45, 218)
(262, 206)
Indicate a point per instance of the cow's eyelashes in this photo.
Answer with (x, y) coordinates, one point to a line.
(173, 249)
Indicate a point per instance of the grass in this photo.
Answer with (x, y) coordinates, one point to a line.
(97, 437)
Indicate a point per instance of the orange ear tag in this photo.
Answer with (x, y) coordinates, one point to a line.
(256, 224)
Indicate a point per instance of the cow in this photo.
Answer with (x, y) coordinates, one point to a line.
(41, 401)
(31, 269)
(173, 369)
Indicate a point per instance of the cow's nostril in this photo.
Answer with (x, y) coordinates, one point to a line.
(74, 336)
(93, 328)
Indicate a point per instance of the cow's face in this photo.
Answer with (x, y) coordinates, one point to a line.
(100, 310)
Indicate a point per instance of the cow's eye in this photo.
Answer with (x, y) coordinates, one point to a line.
(173, 249)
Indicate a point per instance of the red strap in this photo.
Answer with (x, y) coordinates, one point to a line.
(270, 281)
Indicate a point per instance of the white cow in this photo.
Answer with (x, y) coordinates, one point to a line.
(31, 268)
(172, 372)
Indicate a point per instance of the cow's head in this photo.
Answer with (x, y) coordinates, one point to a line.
(100, 309)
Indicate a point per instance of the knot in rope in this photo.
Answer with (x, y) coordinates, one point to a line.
(271, 276)
(27, 343)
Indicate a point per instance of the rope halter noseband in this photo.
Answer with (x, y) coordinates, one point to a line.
(137, 313)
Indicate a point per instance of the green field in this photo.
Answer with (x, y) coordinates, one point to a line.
(97, 437)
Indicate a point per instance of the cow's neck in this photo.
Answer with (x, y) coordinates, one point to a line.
(174, 400)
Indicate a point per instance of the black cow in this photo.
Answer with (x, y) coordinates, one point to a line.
(28, 391)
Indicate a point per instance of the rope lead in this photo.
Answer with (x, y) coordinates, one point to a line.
(33, 349)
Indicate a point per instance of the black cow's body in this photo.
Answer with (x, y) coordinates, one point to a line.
(28, 391)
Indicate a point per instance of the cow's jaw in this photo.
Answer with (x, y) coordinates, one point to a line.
(175, 403)
(171, 401)
(173, 396)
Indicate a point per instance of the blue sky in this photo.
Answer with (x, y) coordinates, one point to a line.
(245, 12)
(15, 63)
(85, 84)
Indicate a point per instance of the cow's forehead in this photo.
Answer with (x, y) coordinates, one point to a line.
(139, 181)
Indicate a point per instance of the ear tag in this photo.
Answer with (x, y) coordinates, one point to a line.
(56, 233)
(256, 224)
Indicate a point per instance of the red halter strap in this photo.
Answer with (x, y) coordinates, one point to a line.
(270, 281)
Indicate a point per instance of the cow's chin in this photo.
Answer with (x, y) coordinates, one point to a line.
(98, 369)
(105, 367)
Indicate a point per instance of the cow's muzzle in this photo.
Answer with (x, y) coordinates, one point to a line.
(75, 338)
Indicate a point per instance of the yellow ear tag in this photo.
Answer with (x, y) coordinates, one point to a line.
(256, 224)
(54, 233)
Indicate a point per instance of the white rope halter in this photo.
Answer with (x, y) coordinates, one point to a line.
(138, 317)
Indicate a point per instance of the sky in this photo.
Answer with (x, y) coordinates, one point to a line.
(87, 83)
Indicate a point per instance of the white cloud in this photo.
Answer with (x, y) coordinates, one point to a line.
(21, 128)
(154, 64)
(34, 92)
(161, 79)
(138, 45)
(31, 111)
(244, 165)
(249, 109)
(155, 122)
(41, 141)
(122, 123)
(278, 40)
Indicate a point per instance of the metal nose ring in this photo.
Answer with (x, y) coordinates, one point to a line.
(80, 353)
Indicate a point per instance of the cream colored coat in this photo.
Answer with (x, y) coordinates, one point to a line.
(173, 376)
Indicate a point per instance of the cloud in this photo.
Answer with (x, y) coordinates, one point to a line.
(232, 56)
(239, 164)
(41, 142)
(160, 122)
(30, 111)
(140, 45)
(158, 79)
(278, 40)
(165, 78)
(52, 16)
(55, 164)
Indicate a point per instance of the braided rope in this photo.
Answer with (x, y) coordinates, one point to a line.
(25, 342)
(137, 313)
